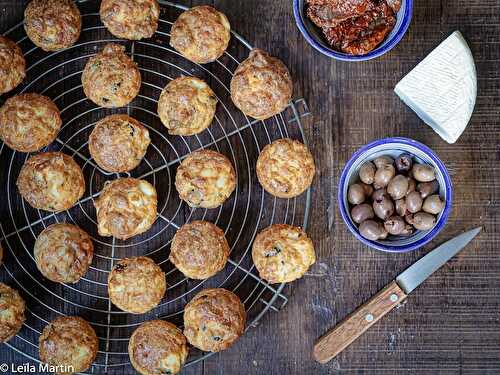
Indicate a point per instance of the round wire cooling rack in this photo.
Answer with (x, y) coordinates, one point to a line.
(248, 210)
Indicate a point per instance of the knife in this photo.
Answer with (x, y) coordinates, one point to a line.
(388, 298)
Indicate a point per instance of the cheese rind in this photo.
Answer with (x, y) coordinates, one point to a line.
(442, 88)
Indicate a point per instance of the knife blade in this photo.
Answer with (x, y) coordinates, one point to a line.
(345, 333)
(426, 266)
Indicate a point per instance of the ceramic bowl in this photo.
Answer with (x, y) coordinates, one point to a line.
(315, 38)
(394, 147)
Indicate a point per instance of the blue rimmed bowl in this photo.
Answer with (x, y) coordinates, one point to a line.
(314, 34)
(394, 147)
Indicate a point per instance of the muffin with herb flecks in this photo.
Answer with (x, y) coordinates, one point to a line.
(29, 122)
(136, 285)
(157, 347)
(214, 319)
(111, 79)
(12, 65)
(53, 25)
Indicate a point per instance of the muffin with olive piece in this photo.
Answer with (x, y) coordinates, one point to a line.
(261, 86)
(51, 181)
(118, 143)
(199, 250)
(187, 106)
(282, 253)
(12, 65)
(111, 79)
(130, 19)
(68, 342)
(136, 285)
(394, 197)
(12, 308)
(29, 122)
(201, 34)
(125, 208)
(285, 168)
(157, 347)
(214, 319)
(205, 179)
(53, 25)
(63, 253)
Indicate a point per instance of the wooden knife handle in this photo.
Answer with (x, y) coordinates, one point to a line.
(358, 322)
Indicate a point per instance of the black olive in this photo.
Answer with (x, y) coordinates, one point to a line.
(273, 252)
(404, 162)
(120, 267)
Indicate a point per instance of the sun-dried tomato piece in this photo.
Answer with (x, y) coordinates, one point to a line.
(329, 13)
(360, 35)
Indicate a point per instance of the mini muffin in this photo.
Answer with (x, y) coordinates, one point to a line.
(187, 106)
(157, 347)
(63, 253)
(285, 168)
(53, 25)
(205, 179)
(110, 78)
(282, 253)
(201, 34)
(130, 19)
(199, 250)
(51, 181)
(136, 285)
(29, 122)
(68, 341)
(261, 86)
(12, 308)
(12, 65)
(125, 208)
(214, 319)
(118, 143)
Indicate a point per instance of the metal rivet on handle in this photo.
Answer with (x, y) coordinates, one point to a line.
(394, 297)
(369, 318)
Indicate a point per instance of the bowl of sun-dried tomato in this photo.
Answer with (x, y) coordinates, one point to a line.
(353, 30)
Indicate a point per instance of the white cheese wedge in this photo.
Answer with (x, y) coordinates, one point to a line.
(442, 88)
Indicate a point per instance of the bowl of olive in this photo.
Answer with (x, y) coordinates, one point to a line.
(395, 194)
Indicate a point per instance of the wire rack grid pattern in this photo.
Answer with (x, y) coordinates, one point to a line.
(248, 210)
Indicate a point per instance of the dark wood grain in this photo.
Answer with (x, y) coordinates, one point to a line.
(449, 325)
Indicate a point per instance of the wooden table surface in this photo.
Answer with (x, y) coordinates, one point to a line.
(449, 325)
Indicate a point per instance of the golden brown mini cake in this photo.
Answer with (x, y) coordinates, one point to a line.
(136, 285)
(187, 106)
(261, 86)
(29, 122)
(12, 308)
(68, 341)
(111, 79)
(282, 253)
(53, 25)
(63, 253)
(201, 34)
(51, 181)
(157, 347)
(214, 319)
(126, 207)
(205, 179)
(12, 65)
(199, 250)
(130, 19)
(118, 143)
(285, 168)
